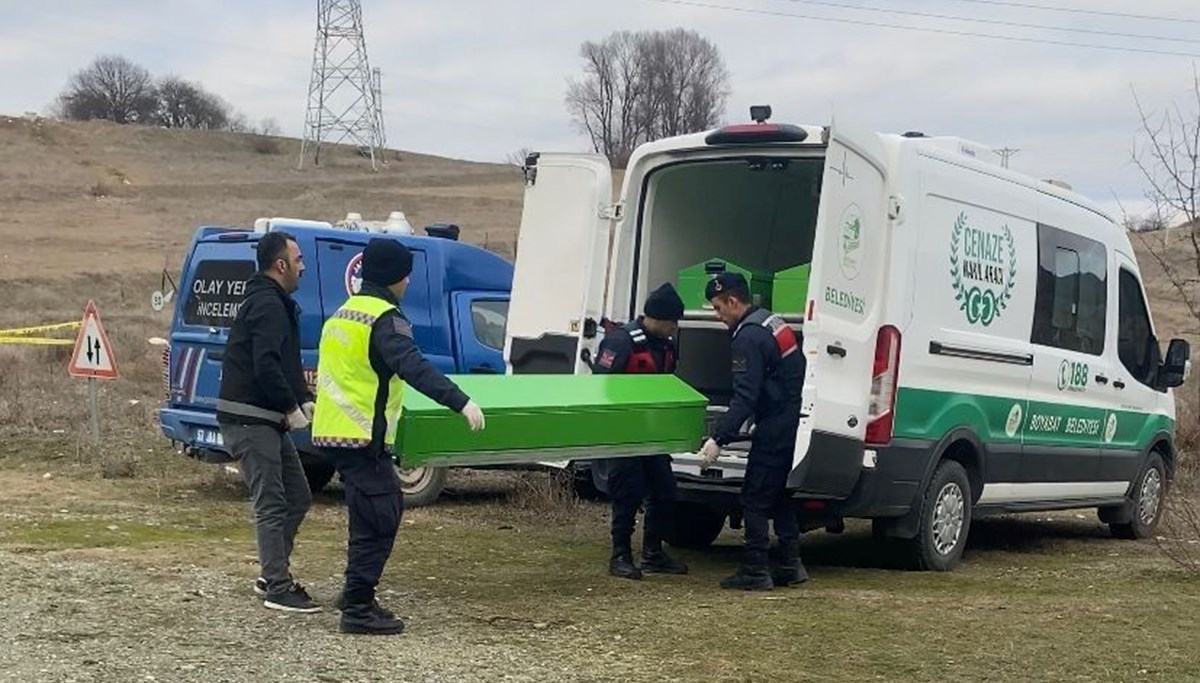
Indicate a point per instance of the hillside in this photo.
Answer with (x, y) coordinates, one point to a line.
(100, 202)
(101, 198)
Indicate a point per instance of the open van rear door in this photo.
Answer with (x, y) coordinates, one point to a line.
(558, 278)
(842, 331)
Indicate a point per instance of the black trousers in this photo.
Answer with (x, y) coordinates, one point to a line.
(634, 482)
(765, 499)
(375, 506)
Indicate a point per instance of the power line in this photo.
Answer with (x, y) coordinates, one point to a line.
(996, 22)
(924, 29)
(1072, 10)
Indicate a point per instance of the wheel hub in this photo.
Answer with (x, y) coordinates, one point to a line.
(1150, 497)
(948, 514)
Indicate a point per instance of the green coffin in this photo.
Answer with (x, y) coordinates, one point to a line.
(546, 418)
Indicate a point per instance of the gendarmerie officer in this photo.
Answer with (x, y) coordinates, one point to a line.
(645, 346)
(768, 375)
(367, 357)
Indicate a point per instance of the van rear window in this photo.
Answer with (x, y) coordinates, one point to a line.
(216, 291)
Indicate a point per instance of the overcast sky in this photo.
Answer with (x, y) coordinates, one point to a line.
(477, 79)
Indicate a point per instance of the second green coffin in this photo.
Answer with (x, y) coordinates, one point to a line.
(546, 418)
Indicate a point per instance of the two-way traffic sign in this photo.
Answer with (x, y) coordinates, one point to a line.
(93, 356)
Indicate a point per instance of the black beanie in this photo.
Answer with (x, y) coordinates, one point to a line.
(386, 262)
(664, 304)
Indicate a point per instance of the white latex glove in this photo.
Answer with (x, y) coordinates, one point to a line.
(709, 454)
(297, 420)
(474, 416)
(308, 408)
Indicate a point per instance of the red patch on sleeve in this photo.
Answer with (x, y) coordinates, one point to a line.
(607, 358)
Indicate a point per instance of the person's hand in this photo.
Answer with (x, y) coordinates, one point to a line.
(308, 408)
(473, 415)
(709, 454)
(297, 420)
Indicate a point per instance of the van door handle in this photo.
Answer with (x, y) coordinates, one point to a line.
(835, 351)
(1119, 384)
(1101, 379)
(216, 355)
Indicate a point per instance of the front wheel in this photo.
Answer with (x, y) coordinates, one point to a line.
(945, 520)
(1146, 505)
(421, 485)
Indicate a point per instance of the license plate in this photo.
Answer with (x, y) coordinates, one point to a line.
(209, 437)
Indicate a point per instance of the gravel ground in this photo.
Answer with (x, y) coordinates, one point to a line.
(91, 617)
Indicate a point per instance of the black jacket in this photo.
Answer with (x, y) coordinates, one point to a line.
(766, 387)
(618, 346)
(393, 352)
(262, 376)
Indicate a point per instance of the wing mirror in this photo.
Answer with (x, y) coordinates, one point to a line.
(1175, 370)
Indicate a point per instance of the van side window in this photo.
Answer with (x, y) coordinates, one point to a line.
(1136, 344)
(1072, 295)
(489, 318)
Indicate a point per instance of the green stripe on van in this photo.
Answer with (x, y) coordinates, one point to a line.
(929, 415)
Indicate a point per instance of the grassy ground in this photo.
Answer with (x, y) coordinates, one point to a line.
(1038, 598)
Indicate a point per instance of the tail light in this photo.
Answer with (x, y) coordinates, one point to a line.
(166, 371)
(881, 412)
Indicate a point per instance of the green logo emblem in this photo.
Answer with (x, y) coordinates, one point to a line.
(851, 242)
(1014, 421)
(983, 270)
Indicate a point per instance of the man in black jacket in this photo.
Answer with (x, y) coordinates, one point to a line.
(768, 375)
(368, 355)
(264, 396)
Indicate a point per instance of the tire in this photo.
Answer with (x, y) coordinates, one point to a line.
(422, 485)
(694, 525)
(317, 470)
(945, 520)
(583, 480)
(318, 474)
(1145, 505)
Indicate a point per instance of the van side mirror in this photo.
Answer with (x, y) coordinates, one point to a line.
(1175, 369)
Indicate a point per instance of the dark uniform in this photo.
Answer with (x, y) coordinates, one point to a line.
(642, 481)
(373, 494)
(768, 376)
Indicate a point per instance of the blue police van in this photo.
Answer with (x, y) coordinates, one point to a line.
(457, 302)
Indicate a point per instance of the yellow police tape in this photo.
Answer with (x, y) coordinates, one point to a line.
(20, 335)
(36, 341)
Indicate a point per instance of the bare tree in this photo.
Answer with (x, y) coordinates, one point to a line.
(641, 86)
(111, 88)
(518, 157)
(187, 105)
(1168, 156)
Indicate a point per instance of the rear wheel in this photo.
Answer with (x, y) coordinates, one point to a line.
(421, 485)
(945, 520)
(694, 525)
(1146, 504)
(317, 470)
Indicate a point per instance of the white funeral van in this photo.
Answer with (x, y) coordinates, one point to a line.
(976, 340)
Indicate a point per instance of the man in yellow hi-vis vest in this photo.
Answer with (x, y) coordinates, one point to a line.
(367, 357)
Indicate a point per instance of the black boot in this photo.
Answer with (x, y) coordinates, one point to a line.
(379, 609)
(655, 560)
(621, 564)
(786, 567)
(752, 575)
(363, 619)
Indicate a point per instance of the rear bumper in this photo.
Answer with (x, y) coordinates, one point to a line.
(193, 430)
(834, 479)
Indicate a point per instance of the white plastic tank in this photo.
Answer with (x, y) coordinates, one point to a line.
(396, 223)
(279, 223)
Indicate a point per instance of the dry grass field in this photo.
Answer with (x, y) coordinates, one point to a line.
(126, 562)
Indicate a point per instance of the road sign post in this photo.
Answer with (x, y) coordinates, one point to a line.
(92, 359)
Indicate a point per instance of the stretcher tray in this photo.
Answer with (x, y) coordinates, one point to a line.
(550, 418)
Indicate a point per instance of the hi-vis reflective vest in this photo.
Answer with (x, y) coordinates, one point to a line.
(347, 384)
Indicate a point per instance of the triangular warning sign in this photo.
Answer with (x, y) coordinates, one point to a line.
(93, 356)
